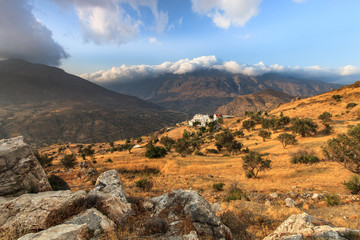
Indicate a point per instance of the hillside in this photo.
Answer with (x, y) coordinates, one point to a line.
(261, 213)
(47, 105)
(261, 101)
(207, 90)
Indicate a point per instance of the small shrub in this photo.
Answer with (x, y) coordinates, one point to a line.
(155, 152)
(337, 97)
(210, 150)
(44, 160)
(305, 157)
(218, 186)
(351, 105)
(332, 199)
(353, 184)
(249, 124)
(234, 193)
(68, 161)
(109, 160)
(198, 153)
(144, 184)
(156, 225)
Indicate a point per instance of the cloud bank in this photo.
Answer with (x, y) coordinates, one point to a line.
(126, 73)
(23, 36)
(115, 21)
(225, 13)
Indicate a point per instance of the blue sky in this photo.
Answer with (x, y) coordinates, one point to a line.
(90, 36)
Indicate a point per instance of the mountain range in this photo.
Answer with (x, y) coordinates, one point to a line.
(207, 90)
(48, 105)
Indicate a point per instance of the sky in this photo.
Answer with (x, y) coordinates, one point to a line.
(119, 40)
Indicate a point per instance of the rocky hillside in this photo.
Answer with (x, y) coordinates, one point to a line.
(261, 101)
(47, 105)
(206, 91)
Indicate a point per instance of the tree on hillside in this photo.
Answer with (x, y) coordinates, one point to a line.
(183, 147)
(168, 142)
(264, 134)
(248, 124)
(287, 139)
(254, 163)
(325, 118)
(226, 139)
(68, 161)
(305, 127)
(345, 149)
(155, 152)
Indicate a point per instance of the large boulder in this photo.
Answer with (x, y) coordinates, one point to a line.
(109, 196)
(304, 226)
(33, 212)
(20, 171)
(60, 232)
(186, 210)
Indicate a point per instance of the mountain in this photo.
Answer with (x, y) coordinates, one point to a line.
(261, 101)
(47, 105)
(205, 91)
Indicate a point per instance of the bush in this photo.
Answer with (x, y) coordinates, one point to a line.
(336, 97)
(304, 157)
(155, 152)
(144, 184)
(325, 117)
(353, 184)
(287, 139)
(332, 199)
(68, 161)
(210, 150)
(239, 133)
(304, 127)
(264, 134)
(156, 225)
(198, 153)
(254, 163)
(220, 121)
(234, 193)
(109, 160)
(248, 124)
(44, 160)
(57, 183)
(351, 105)
(218, 186)
(345, 149)
(168, 142)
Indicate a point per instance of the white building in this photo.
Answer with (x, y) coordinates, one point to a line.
(202, 119)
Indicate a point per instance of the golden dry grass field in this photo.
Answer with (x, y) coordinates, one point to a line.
(201, 172)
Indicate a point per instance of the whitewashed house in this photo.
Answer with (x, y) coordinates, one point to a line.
(202, 119)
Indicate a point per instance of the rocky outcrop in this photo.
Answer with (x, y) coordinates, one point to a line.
(60, 232)
(33, 212)
(20, 171)
(186, 210)
(109, 196)
(304, 226)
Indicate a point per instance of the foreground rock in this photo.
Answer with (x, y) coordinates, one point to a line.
(304, 226)
(109, 196)
(33, 212)
(60, 232)
(186, 210)
(20, 171)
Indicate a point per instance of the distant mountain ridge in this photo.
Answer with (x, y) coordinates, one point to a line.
(205, 91)
(261, 101)
(48, 105)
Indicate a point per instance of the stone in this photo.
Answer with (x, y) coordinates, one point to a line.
(273, 195)
(289, 202)
(216, 207)
(109, 196)
(315, 196)
(304, 226)
(20, 171)
(181, 207)
(60, 232)
(31, 212)
(97, 223)
(191, 236)
(267, 202)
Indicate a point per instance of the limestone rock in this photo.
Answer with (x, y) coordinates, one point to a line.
(20, 171)
(289, 202)
(60, 232)
(96, 222)
(109, 196)
(273, 195)
(304, 226)
(31, 212)
(181, 206)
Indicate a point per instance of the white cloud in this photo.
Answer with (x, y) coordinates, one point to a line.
(153, 40)
(225, 13)
(110, 21)
(126, 73)
(25, 37)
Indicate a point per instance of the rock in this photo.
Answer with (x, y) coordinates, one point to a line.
(315, 196)
(31, 212)
(91, 172)
(304, 226)
(273, 195)
(216, 207)
(289, 202)
(20, 171)
(109, 196)
(96, 222)
(183, 208)
(191, 236)
(267, 202)
(60, 232)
